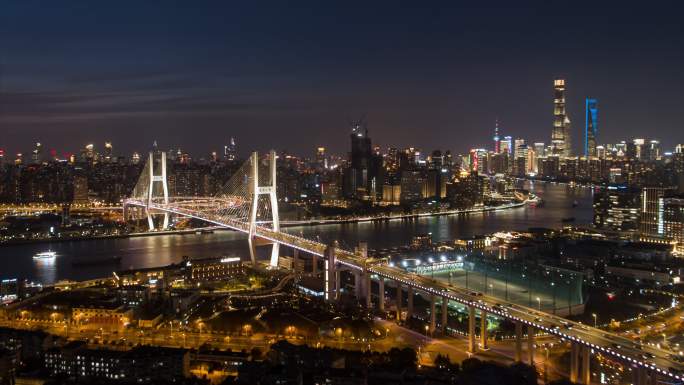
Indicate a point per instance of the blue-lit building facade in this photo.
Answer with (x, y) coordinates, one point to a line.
(590, 127)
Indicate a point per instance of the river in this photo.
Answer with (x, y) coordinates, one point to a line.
(16, 261)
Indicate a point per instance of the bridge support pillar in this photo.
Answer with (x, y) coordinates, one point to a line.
(530, 344)
(472, 347)
(483, 330)
(256, 191)
(400, 300)
(585, 374)
(574, 362)
(314, 265)
(433, 315)
(295, 258)
(518, 342)
(367, 288)
(409, 303)
(338, 292)
(357, 285)
(161, 178)
(330, 274)
(653, 378)
(445, 314)
(640, 376)
(381, 294)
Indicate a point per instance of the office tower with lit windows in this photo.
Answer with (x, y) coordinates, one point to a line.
(36, 155)
(108, 150)
(590, 127)
(516, 145)
(506, 145)
(521, 159)
(651, 209)
(654, 150)
(560, 135)
(616, 208)
(364, 177)
(671, 221)
(321, 158)
(230, 151)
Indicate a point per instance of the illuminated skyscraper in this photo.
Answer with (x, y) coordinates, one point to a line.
(590, 127)
(496, 137)
(36, 155)
(506, 145)
(517, 144)
(230, 151)
(652, 210)
(108, 156)
(560, 135)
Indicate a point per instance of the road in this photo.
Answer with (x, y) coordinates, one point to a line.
(610, 344)
(607, 343)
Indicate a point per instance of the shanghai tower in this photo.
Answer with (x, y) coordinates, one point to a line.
(560, 136)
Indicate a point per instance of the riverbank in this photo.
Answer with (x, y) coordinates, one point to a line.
(309, 222)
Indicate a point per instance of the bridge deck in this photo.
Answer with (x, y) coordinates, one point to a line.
(597, 339)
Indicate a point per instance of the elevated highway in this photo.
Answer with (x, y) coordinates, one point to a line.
(238, 209)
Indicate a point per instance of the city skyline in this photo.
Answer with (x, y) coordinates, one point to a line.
(340, 193)
(187, 78)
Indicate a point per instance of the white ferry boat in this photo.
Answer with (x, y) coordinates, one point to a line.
(45, 255)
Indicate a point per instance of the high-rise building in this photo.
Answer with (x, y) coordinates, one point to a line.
(321, 158)
(496, 137)
(108, 150)
(616, 208)
(230, 151)
(654, 150)
(36, 155)
(590, 127)
(651, 209)
(521, 158)
(413, 186)
(671, 223)
(364, 177)
(506, 145)
(560, 135)
(80, 189)
(516, 146)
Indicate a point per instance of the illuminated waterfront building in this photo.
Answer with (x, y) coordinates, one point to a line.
(616, 208)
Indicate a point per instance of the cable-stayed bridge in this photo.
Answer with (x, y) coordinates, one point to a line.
(248, 203)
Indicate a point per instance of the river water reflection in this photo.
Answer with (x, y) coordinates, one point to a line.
(137, 252)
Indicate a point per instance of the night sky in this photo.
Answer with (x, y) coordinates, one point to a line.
(291, 77)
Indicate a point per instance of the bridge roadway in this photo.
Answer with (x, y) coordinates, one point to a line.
(609, 344)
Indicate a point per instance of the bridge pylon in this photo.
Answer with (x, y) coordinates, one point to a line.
(152, 187)
(259, 187)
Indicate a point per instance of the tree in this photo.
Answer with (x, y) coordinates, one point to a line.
(443, 362)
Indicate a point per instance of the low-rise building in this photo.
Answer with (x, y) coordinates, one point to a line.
(212, 269)
(143, 363)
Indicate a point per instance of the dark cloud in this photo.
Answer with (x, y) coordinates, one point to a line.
(276, 74)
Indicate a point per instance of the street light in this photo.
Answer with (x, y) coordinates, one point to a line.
(539, 303)
(594, 315)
